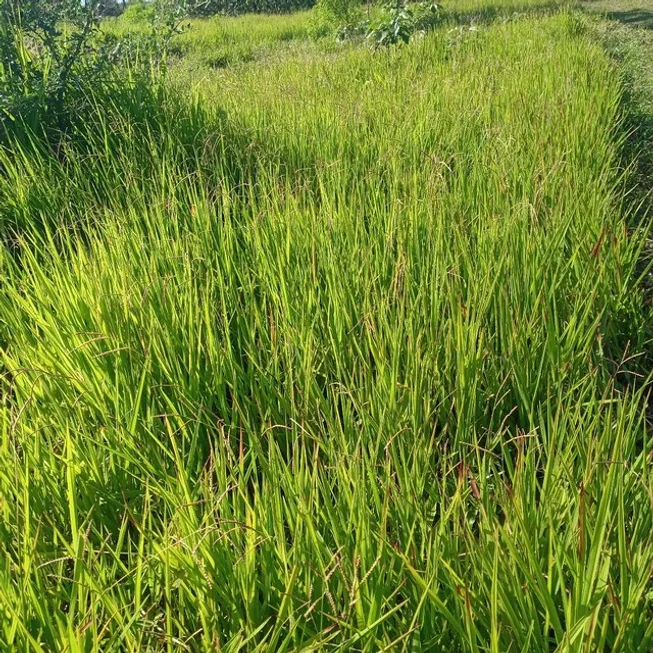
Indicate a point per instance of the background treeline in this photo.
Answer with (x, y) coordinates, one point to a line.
(212, 7)
(216, 7)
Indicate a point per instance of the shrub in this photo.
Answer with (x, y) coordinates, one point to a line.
(45, 50)
(53, 52)
(399, 22)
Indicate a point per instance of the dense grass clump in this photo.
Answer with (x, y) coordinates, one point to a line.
(344, 353)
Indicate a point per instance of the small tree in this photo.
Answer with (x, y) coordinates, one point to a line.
(399, 22)
(396, 27)
(44, 43)
(50, 50)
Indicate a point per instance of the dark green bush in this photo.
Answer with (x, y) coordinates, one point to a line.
(52, 53)
(45, 50)
(400, 21)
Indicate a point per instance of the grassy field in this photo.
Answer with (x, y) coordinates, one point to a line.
(331, 349)
(221, 41)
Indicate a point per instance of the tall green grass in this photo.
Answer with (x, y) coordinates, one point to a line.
(345, 353)
(220, 41)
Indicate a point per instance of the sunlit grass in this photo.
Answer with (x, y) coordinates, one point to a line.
(220, 41)
(344, 353)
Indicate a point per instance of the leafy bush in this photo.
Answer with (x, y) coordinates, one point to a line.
(395, 27)
(427, 15)
(53, 52)
(45, 50)
(399, 22)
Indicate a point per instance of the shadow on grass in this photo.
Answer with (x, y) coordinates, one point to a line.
(633, 18)
(498, 13)
(638, 149)
(637, 152)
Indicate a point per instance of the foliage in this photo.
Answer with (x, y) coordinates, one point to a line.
(168, 19)
(400, 22)
(52, 53)
(44, 52)
(111, 7)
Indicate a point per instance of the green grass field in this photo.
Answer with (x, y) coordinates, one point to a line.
(320, 348)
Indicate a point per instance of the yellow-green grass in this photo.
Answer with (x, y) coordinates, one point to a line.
(220, 41)
(343, 353)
